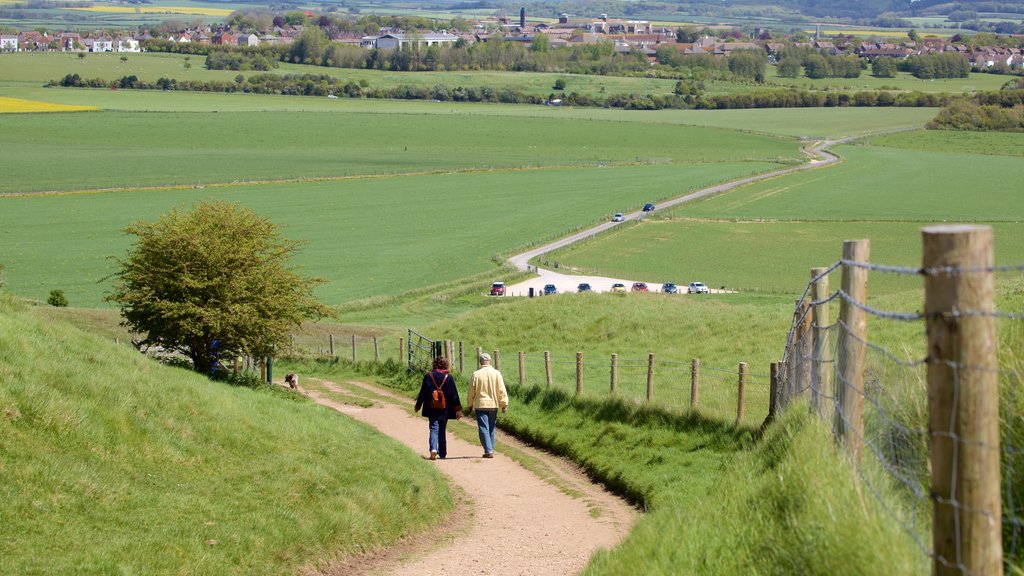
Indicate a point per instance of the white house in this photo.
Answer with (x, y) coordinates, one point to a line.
(128, 45)
(102, 44)
(248, 40)
(8, 43)
(397, 40)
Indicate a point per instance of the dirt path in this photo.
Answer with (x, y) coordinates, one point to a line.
(508, 520)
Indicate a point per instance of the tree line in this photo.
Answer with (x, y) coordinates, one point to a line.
(996, 111)
(687, 95)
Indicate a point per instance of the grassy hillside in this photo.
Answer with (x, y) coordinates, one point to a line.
(114, 464)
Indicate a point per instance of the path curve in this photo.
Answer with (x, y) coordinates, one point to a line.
(512, 522)
(820, 157)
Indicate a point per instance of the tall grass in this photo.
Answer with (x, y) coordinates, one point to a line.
(112, 463)
(717, 502)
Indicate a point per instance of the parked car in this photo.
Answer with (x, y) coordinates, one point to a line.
(697, 288)
(498, 289)
(648, 207)
(619, 287)
(618, 217)
(669, 288)
(583, 287)
(550, 289)
(639, 287)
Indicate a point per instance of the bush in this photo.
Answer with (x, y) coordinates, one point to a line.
(57, 298)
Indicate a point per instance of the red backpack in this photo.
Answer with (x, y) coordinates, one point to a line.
(437, 401)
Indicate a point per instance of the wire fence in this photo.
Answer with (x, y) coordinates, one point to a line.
(674, 384)
(927, 409)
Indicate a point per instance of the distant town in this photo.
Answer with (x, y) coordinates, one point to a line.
(1005, 54)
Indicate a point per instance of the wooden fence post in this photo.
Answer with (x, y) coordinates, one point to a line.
(851, 349)
(522, 369)
(650, 376)
(462, 364)
(579, 373)
(694, 382)
(479, 350)
(822, 375)
(353, 347)
(963, 400)
(615, 371)
(741, 390)
(773, 391)
(497, 359)
(547, 366)
(376, 350)
(330, 343)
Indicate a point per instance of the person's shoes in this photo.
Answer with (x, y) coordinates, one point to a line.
(433, 454)
(489, 455)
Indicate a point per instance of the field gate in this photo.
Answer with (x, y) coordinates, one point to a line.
(422, 351)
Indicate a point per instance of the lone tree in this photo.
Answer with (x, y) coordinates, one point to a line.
(212, 283)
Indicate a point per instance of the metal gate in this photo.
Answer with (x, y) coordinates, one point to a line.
(422, 351)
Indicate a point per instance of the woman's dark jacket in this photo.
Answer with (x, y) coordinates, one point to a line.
(451, 394)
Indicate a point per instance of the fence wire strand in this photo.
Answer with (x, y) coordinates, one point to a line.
(894, 426)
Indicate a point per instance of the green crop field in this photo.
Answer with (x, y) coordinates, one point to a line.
(902, 82)
(795, 122)
(883, 183)
(156, 149)
(766, 236)
(758, 255)
(367, 236)
(32, 68)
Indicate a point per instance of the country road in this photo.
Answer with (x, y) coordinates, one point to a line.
(820, 157)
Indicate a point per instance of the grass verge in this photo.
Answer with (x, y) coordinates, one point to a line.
(113, 463)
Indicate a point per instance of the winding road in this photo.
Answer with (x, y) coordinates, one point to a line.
(820, 157)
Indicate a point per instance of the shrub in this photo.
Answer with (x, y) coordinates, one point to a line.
(57, 298)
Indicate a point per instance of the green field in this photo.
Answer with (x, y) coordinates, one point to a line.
(766, 236)
(883, 184)
(759, 256)
(367, 237)
(796, 122)
(156, 149)
(902, 82)
(32, 68)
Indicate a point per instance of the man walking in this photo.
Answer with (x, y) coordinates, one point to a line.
(486, 395)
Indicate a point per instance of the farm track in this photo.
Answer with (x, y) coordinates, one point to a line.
(524, 512)
(820, 158)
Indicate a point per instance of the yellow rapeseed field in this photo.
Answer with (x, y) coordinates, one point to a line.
(157, 10)
(16, 105)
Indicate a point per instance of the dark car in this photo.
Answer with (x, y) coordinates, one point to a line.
(550, 289)
(648, 207)
(583, 287)
(669, 288)
(639, 287)
(498, 289)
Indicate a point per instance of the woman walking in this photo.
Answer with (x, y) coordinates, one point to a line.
(439, 399)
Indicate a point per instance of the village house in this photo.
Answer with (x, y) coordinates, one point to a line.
(31, 40)
(248, 40)
(100, 44)
(127, 44)
(8, 43)
(397, 40)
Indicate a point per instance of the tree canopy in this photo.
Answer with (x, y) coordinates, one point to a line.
(213, 283)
